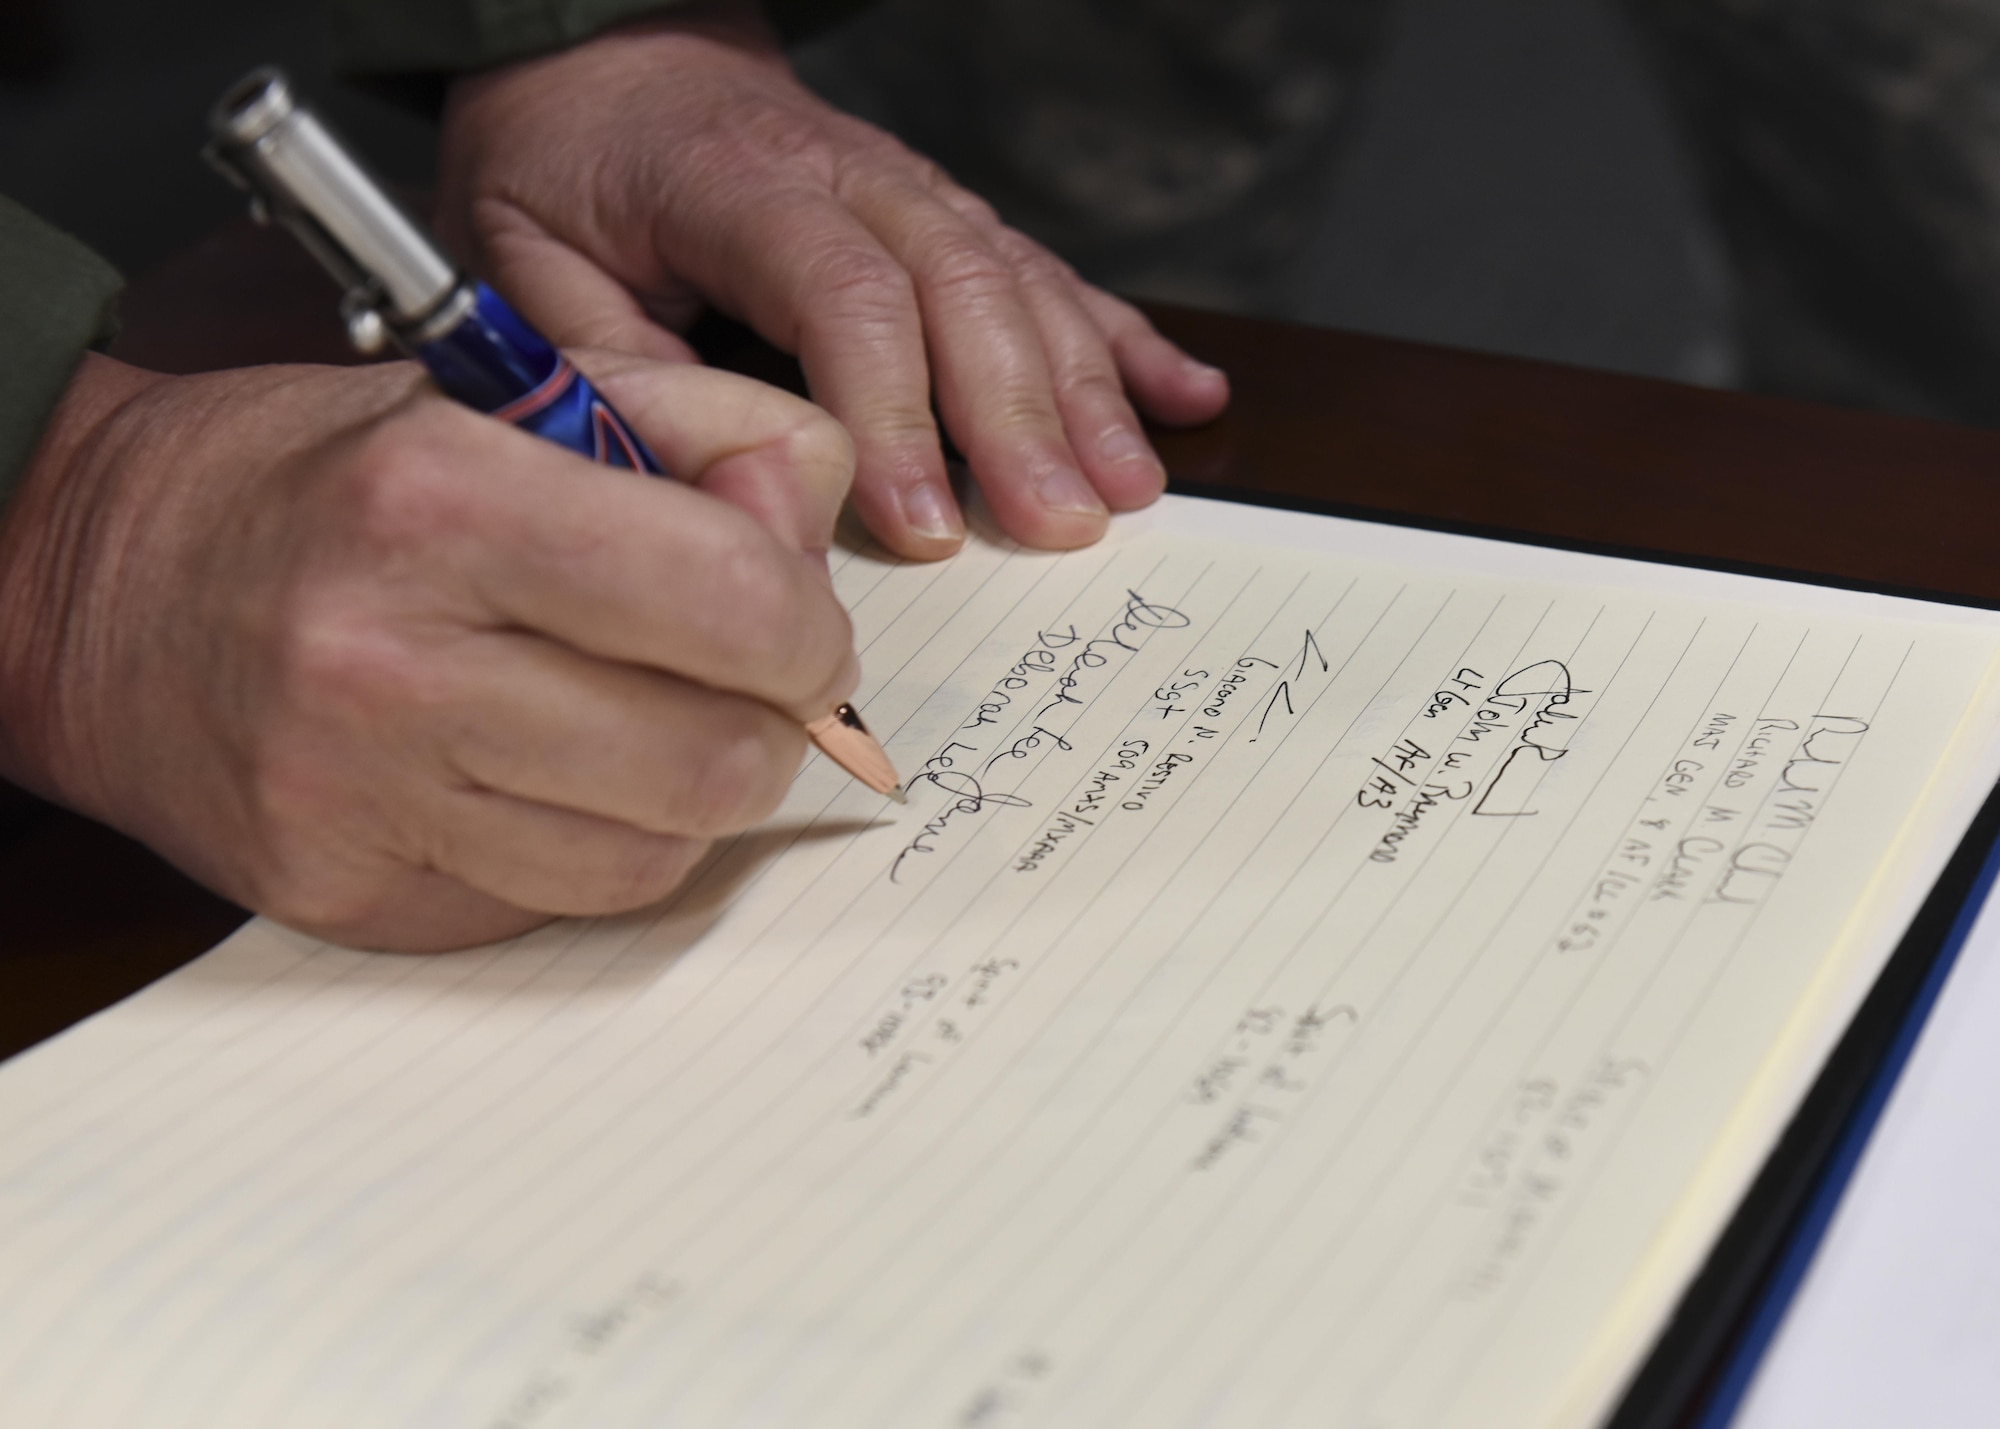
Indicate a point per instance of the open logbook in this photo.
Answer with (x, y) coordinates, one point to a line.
(1327, 974)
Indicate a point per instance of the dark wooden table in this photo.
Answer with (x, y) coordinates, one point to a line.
(1357, 423)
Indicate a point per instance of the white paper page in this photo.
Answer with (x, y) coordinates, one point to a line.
(1347, 976)
(1898, 1319)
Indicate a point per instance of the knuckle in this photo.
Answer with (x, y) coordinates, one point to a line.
(344, 663)
(969, 206)
(895, 432)
(1092, 384)
(772, 134)
(1028, 256)
(1022, 411)
(968, 270)
(337, 914)
(848, 275)
(816, 442)
(402, 489)
(315, 827)
(1118, 319)
(864, 158)
(740, 779)
(925, 171)
(640, 870)
(293, 882)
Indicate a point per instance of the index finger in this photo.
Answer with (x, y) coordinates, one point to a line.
(816, 282)
(648, 572)
(991, 366)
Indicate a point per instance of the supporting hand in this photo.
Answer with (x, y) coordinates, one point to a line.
(611, 189)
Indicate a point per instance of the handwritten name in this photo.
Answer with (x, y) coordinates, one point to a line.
(968, 798)
(1539, 692)
(1765, 734)
(1037, 662)
(1155, 780)
(1406, 820)
(1126, 636)
(1092, 802)
(905, 1066)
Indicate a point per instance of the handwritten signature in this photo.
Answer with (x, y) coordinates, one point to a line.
(968, 797)
(1140, 615)
(1543, 688)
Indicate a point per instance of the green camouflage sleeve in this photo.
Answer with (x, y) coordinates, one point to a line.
(392, 38)
(56, 299)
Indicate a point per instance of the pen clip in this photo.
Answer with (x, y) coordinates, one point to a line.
(393, 277)
(361, 312)
(267, 207)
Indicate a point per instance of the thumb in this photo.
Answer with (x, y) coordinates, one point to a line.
(774, 455)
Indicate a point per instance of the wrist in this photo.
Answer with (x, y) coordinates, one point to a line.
(43, 537)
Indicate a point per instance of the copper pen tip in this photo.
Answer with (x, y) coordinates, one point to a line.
(848, 743)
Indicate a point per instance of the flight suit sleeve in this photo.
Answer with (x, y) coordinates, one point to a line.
(57, 301)
(394, 39)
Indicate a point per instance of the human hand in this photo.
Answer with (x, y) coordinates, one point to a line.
(403, 676)
(609, 190)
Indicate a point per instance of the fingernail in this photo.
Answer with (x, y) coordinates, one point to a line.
(1124, 444)
(932, 514)
(1202, 369)
(1063, 488)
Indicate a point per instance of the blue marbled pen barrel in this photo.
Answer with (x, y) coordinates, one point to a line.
(495, 362)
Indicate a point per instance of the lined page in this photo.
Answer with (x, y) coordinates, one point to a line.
(1325, 974)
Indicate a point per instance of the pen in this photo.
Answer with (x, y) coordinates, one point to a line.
(400, 288)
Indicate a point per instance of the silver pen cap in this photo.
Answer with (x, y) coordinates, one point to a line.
(299, 174)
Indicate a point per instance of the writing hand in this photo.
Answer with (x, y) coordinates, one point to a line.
(404, 676)
(611, 189)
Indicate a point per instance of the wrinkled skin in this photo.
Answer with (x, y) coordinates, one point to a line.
(402, 676)
(612, 189)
